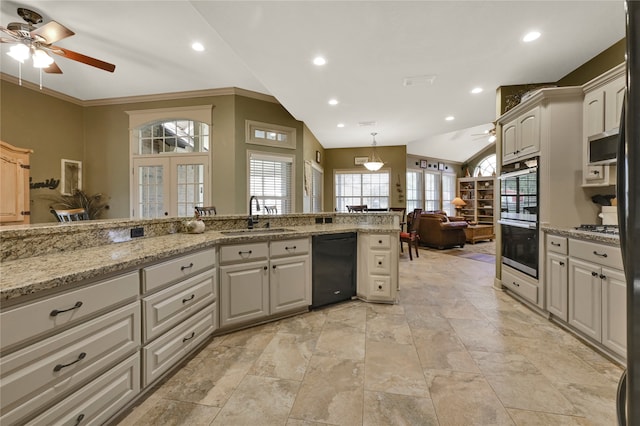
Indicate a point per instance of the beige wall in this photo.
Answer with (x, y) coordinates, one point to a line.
(394, 158)
(51, 127)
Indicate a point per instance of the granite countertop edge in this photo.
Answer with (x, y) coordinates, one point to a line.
(569, 232)
(23, 277)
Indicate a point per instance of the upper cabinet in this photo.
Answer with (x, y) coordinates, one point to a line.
(602, 109)
(521, 137)
(14, 181)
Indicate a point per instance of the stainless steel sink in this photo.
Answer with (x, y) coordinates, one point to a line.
(254, 231)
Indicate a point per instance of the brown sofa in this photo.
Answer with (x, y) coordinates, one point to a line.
(441, 231)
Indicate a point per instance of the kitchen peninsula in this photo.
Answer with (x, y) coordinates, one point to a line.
(91, 318)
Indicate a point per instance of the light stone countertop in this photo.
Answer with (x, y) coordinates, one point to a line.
(596, 237)
(52, 271)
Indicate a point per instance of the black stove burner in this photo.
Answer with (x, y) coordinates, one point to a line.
(603, 229)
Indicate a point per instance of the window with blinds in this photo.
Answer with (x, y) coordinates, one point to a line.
(448, 193)
(356, 188)
(431, 191)
(316, 190)
(270, 179)
(414, 190)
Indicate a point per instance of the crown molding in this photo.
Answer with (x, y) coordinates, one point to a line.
(226, 91)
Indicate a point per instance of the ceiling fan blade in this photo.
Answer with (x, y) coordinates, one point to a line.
(52, 32)
(75, 56)
(53, 68)
(6, 40)
(11, 33)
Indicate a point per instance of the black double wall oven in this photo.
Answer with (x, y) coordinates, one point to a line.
(519, 198)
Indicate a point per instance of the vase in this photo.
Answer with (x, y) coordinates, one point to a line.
(195, 226)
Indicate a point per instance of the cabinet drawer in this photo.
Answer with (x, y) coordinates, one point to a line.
(379, 262)
(172, 346)
(99, 400)
(557, 244)
(244, 252)
(37, 374)
(27, 321)
(603, 255)
(290, 247)
(166, 308)
(379, 287)
(380, 241)
(524, 288)
(157, 276)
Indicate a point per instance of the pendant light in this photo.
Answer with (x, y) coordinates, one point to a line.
(374, 163)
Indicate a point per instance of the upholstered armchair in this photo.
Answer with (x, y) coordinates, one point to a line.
(441, 231)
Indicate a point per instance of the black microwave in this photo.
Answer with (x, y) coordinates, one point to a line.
(603, 147)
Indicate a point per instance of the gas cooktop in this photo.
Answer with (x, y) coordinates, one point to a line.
(603, 229)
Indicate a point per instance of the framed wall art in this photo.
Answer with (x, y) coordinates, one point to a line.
(358, 161)
(423, 164)
(70, 176)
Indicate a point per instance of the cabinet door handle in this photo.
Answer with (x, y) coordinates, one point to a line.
(240, 253)
(193, 333)
(379, 241)
(595, 172)
(190, 265)
(290, 248)
(594, 274)
(188, 298)
(380, 263)
(55, 312)
(555, 244)
(274, 266)
(79, 419)
(561, 263)
(265, 268)
(516, 284)
(603, 277)
(61, 366)
(600, 254)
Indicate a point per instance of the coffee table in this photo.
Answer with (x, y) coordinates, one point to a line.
(479, 232)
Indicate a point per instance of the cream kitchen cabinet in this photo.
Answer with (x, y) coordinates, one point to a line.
(290, 277)
(14, 185)
(263, 279)
(179, 307)
(557, 276)
(597, 294)
(602, 109)
(378, 267)
(521, 136)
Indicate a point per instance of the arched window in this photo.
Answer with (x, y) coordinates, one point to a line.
(486, 167)
(170, 157)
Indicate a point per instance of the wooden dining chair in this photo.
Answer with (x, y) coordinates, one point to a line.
(411, 237)
(70, 215)
(206, 211)
(271, 209)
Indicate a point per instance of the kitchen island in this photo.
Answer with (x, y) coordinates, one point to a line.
(93, 317)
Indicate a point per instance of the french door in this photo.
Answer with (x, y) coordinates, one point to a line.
(169, 185)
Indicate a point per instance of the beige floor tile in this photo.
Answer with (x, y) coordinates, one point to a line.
(388, 328)
(537, 418)
(442, 350)
(341, 341)
(332, 392)
(259, 401)
(286, 356)
(167, 412)
(381, 408)
(394, 368)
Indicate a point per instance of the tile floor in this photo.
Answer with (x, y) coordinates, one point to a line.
(454, 351)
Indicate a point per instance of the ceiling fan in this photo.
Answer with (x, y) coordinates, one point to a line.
(491, 134)
(37, 42)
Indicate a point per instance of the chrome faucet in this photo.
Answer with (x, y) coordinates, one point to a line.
(251, 220)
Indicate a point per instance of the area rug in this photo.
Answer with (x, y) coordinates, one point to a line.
(481, 251)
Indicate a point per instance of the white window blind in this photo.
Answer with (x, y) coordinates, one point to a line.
(270, 179)
(431, 191)
(414, 190)
(448, 193)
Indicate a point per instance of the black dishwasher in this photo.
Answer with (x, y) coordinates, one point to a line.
(333, 268)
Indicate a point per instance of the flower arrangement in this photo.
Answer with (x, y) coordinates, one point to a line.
(94, 204)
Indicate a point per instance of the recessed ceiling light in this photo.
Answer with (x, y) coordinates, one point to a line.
(341, 125)
(533, 35)
(198, 47)
(450, 118)
(319, 60)
(333, 102)
(476, 90)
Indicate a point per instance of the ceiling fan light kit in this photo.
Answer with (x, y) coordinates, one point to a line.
(37, 43)
(374, 162)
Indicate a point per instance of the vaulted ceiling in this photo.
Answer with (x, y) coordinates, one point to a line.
(371, 48)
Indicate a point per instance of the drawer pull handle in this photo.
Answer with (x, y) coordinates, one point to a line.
(193, 334)
(594, 274)
(265, 268)
(379, 287)
(240, 253)
(182, 268)
(61, 366)
(561, 263)
(55, 312)
(189, 298)
(555, 244)
(600, 254)
(274, 266)
(379, 262)
(379, 241)
(79, 419)
(290, 248)
(516, 284)
(603, 277)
